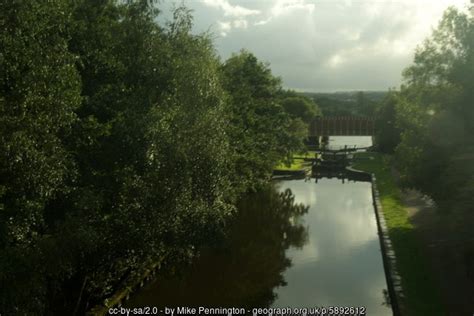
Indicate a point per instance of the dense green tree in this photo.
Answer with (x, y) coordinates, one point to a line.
(301, 107)
(261, 132)
(435, 114)
(156, 167)
(121, 142)
(435, 109)
(364, 106)
(335, 107)
(388, 134)
(39, 94)
(361, 103)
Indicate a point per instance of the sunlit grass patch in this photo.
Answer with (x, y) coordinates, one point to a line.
(308, 154)
(297, 164)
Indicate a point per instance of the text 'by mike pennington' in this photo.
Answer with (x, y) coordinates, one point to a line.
(287, 311)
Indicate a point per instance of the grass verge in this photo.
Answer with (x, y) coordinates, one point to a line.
(298, 162)
(421, 295)
(295, 165)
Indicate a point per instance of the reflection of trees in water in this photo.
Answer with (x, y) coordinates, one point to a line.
(386, 298)
(263, 230)
(248, 265)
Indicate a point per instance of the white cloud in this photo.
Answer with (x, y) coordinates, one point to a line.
(350, 34)
(230, 10)
(282, 7)
(335, 61)
(285, 6)
(224, 27)
(240, 24)
(237, 15)
(325, 44)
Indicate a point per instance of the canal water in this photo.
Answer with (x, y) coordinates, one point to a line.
(299, 243)
(338, 142)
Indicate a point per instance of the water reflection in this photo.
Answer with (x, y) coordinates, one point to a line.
(300, 243)
(341, 264)
(338, 142)
(248, 267)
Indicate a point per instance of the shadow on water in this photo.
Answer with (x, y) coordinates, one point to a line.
(247, 266)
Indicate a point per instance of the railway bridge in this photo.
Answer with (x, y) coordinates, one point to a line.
(342, 126)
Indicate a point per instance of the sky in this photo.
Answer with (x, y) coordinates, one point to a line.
(322, 45)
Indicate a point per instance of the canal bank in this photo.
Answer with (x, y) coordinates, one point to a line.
(421, 296)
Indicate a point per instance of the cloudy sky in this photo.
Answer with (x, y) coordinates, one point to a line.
(323, 45)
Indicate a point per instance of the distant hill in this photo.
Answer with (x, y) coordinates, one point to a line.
(350, 103)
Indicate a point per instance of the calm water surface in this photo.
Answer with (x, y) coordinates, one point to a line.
(300, 243)
(337, 142)
(341, 262)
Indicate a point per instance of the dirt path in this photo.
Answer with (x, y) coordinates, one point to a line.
(449, 249)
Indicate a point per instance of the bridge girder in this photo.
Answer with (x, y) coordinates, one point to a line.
(342, 126)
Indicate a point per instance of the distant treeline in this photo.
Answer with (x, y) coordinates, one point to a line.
(429, 123)
(360, 103)
(121, 141)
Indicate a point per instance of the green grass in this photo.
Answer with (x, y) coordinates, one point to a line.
(308, 154)
(422, 297)
(298, 162)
